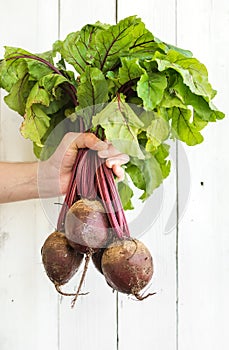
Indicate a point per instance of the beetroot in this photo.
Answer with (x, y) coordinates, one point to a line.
(60, 260)
(86, 225)
(127, 266)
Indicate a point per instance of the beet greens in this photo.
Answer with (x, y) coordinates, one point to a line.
(125, 84)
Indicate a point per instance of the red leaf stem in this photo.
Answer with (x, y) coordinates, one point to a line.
(70, 195)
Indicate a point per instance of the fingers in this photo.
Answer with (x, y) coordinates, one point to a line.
(86, 140)
(114, 160)
(115, 165)
(119, 159)
(110, 151)
(119, 172)
(112, 154)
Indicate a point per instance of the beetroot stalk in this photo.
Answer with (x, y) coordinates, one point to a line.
(116, 200)
(85, 176)
(70, 195)
(111, 200)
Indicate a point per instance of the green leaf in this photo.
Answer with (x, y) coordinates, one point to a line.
(92, 93)
(59, 125)
(182, 127)
(170, 100)
(37, 95)
(150, 88)
(130, 70)
(16, 99)
(45, 98)
(147, 117)
(35, 124)
(205, 110)
(157, 131)
(115, 65)
(136, 175)
(151, 172)
(143, 38)
(198, 122)
(146, 44)
(11, 51)
(12, 71)
(36, 120)
(186, 53)
(194, 73)
(161, 153)
(113, 83)
(121, 127)
(109, 44)
(92, 89)
(74, 49)
(125, 193)
(18, 62)
(51, 82)
(20, 75)
(38, 69)
(53, 85)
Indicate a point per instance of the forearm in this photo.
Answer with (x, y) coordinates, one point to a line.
(18, 181)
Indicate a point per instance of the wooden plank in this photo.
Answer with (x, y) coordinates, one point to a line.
(159, 16)
(74, 16)
(145, 324)
(25, 293)
(30, 308)
(203, 231)
(92, 323)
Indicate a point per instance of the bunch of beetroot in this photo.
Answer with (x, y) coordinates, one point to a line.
(92, 224)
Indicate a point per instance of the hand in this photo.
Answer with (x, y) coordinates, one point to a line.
(55, 173)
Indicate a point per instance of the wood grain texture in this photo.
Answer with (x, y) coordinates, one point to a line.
(190, 252)
(29, 305)
(203, 231)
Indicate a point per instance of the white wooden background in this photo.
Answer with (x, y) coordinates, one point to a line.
(190, 310)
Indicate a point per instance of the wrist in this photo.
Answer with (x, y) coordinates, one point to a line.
(48, 180)
(26, 181)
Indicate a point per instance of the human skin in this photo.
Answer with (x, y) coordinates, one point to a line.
(50, 178)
